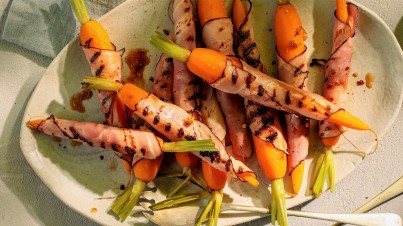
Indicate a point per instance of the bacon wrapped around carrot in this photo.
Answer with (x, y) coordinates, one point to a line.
(268, 138)
(126, 143)
(176, 124)
(217, 34)
(337, 71)
(292, 68)
(224, 73)
(163, 78)
(104, 60)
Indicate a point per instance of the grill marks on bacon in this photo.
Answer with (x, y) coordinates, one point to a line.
(337, 68)
(263, 121)
(185, 84)
(163, 78)
(245, 45)
(217, 34)
(295, 72)
(107, 64)
(127, 144)
(181, 128)
(274, 92)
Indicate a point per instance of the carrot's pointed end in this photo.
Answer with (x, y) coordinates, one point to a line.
(250, 178)
(238, 14)
(278, 209)
(348, 120)
(296, 177)
(34, 124)
(325, 168)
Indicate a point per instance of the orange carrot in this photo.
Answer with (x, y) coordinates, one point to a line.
(186, 159)
(290, 42)
(239, 13)
(92, 33)
(213, 64)
(210, 65)
(214, 178)
(207, 12)
(298, 134)
(272, 161)
(147, 169)
(341, 10)
(131, 94)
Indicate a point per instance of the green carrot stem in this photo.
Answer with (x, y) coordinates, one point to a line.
(206, 211)
(218, 201)
(80, 10)
(189, 145)
(326, 168)
(279, 211)
(125, 203)
(185, 182)
(100, 84)
(168, 47)
(177, 200)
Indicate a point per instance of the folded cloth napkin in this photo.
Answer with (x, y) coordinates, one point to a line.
(45, 26)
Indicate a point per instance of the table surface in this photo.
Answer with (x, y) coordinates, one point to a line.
(25, 200)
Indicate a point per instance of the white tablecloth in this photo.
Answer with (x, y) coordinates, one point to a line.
(25, 200)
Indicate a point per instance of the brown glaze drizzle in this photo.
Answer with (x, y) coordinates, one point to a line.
(76, 101)
(137, 60)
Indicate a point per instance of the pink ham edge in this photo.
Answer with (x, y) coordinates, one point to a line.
(163, 79)
(176, 124)
(295, 73)
(338, 67)
(218, 35)
(261, 120)
(185, 84)
(107, 64)
(128, 144)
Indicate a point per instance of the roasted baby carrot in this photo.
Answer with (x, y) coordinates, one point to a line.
(337, 73)
(294, 72)
(256, 86)
(268, 139)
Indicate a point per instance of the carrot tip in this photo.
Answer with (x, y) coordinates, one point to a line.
(33, 124)
(250, 178)
(346, 119)
(296, 177)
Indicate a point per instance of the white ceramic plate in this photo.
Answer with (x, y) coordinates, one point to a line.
(78, 176)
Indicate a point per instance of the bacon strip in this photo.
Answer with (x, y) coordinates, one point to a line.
(185, 82)
(176, 124)
(107, 64)
(263, 121)
(163, 78)
(128, 144)
(258, 87)
(218, 35)
(295, 73)
(337, 68)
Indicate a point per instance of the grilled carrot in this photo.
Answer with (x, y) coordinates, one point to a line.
(98, 49)
(104, 61)
(145, 170)
(337, 70)
(217, 34)
(216, 181)
(176, 124)
(290, 41)
(268, 139)
(294, 72)
(221, 73)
